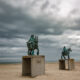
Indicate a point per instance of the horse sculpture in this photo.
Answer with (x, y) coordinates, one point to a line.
(32, 44)
(66, 52)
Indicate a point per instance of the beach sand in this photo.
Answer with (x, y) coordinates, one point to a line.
(52, 72)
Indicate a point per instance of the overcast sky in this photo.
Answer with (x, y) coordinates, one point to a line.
(56, 22)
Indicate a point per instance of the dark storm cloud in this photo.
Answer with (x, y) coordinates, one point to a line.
(16, 42)
(7, 19)
(45, 5)
(13, 23)
(16, 26)
(75, 12)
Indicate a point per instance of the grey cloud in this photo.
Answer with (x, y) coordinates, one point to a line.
(45, 5)
(23, 24)
(16, 28)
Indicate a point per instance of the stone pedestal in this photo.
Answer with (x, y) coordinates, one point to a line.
(62, 64)
(71, 65)
(66, 64)
(33, 65)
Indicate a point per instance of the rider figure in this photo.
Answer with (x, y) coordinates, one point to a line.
(32, 40)
(64, 49)
(63, 52)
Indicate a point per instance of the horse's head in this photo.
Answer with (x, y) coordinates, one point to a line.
(69, 49)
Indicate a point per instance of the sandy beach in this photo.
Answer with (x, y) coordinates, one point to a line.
(52, 72)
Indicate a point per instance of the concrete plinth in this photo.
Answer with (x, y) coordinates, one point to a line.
(62, 64)
(71, 65)
(33, 65)
(66, 64)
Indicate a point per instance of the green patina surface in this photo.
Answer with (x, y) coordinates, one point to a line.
(32, 44)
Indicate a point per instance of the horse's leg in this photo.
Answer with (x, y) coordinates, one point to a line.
(37, 51)
(28, 52)
(64, 58)
(68, 56)
(32, 52)
(61, 56)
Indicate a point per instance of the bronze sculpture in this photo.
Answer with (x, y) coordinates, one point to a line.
(65, 52)
(32, 44)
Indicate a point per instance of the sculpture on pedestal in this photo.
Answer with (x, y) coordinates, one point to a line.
(63, 62)
(65, 52)
(32, 44)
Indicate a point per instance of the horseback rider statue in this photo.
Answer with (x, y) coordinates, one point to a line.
(65, 52)
(32, 44)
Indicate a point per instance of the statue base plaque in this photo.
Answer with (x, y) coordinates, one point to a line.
(33, 65)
